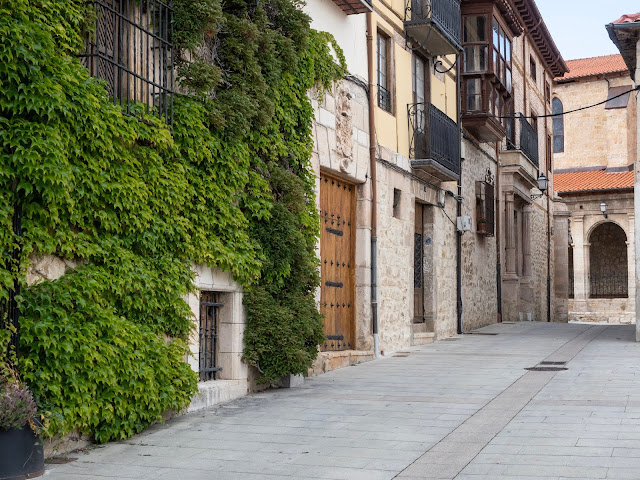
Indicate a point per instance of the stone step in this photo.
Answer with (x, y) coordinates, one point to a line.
(328, 361)
(424, 338)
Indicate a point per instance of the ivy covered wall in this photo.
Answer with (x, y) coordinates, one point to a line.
(103, 347)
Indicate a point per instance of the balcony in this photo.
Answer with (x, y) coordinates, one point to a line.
(354, 7)
(528, 140)
(521, 156)
(435, 25)
(434, 143)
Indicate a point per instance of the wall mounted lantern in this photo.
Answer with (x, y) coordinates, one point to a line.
(603, 209)
(543, 184)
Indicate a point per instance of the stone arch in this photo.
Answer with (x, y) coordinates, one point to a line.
(608, 262)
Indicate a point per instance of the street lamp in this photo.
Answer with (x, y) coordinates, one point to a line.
(603, 209)
(543, 184)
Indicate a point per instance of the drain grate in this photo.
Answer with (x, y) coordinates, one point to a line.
(402, 356)
(546, 369)
(481, 333)
(552, 363)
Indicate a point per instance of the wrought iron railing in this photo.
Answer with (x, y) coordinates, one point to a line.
(434, 135)
(444, 13)
(526, 140)
(384, 98)
(608, 285)
(130, 49)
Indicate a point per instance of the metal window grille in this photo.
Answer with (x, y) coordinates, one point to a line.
(572, 282)
(131, 51)
(608, 286)
(209, 308)
(418, 253)
(384, 98)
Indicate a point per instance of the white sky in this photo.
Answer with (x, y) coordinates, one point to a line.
(578, 26)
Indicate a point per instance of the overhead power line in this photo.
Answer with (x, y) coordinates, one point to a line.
(554, 115)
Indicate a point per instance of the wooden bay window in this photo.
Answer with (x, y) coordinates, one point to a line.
(487, 76)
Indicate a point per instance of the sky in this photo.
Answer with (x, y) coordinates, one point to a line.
(578, 26)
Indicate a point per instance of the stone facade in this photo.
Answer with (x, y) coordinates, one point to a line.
(585, 219)
(596, 136)
(524, 224)
(606, 139)
(341, 149)
(479, 253)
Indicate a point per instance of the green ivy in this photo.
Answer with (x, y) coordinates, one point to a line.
(230, 186)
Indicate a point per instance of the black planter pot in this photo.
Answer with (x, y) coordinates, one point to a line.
(22, 454)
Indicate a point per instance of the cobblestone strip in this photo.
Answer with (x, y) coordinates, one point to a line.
(450, 456)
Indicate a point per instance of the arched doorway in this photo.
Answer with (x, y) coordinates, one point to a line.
(608, 277)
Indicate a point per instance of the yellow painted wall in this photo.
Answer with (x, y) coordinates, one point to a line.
(392, 129)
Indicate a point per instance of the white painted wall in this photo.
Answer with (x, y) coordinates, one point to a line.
(350, 31)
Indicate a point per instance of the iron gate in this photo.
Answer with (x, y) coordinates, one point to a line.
(209, 309)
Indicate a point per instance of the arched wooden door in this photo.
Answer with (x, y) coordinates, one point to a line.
(337, 245)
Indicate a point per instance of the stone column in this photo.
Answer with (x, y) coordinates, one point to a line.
(509, 234)
(561, 216)
(526, 240)
(579, 265)
(631, 254)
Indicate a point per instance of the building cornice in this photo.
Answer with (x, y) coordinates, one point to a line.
(538, 31)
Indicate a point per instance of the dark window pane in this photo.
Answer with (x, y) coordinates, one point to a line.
(475, 28)
(475, 58)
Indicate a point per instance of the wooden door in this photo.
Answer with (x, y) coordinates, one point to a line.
(337, 244)
(418, 266)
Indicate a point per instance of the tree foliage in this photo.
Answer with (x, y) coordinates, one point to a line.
(103, 347)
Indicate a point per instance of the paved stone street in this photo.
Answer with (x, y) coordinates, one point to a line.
(462, 408)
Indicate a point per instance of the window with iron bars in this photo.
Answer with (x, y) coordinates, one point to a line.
(208, 335)
(130, 49)
(485, 210)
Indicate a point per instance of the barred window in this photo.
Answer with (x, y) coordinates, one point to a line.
(130, 49)
(485, 209)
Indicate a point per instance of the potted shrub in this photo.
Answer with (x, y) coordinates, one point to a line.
(482, 225)
(22, 450)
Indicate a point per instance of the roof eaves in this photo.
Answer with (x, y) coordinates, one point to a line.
(625, 37)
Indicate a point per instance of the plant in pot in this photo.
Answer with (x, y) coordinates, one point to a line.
(482, 225)
(22, 453)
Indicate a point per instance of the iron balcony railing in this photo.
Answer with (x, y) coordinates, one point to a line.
(524, 139)
(384, 98)
(608, 285)
(444, 13)
(433, 135)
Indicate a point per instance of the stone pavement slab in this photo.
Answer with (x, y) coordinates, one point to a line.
(464, 409)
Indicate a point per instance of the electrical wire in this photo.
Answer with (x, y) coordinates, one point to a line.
(557, 115)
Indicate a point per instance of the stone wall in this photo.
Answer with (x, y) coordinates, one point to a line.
(596, 136)
(396, 256)
(614, 311)
(479, 255)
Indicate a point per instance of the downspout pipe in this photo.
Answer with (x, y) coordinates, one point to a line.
(459, 208)
(374, 188)
(498, 196)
